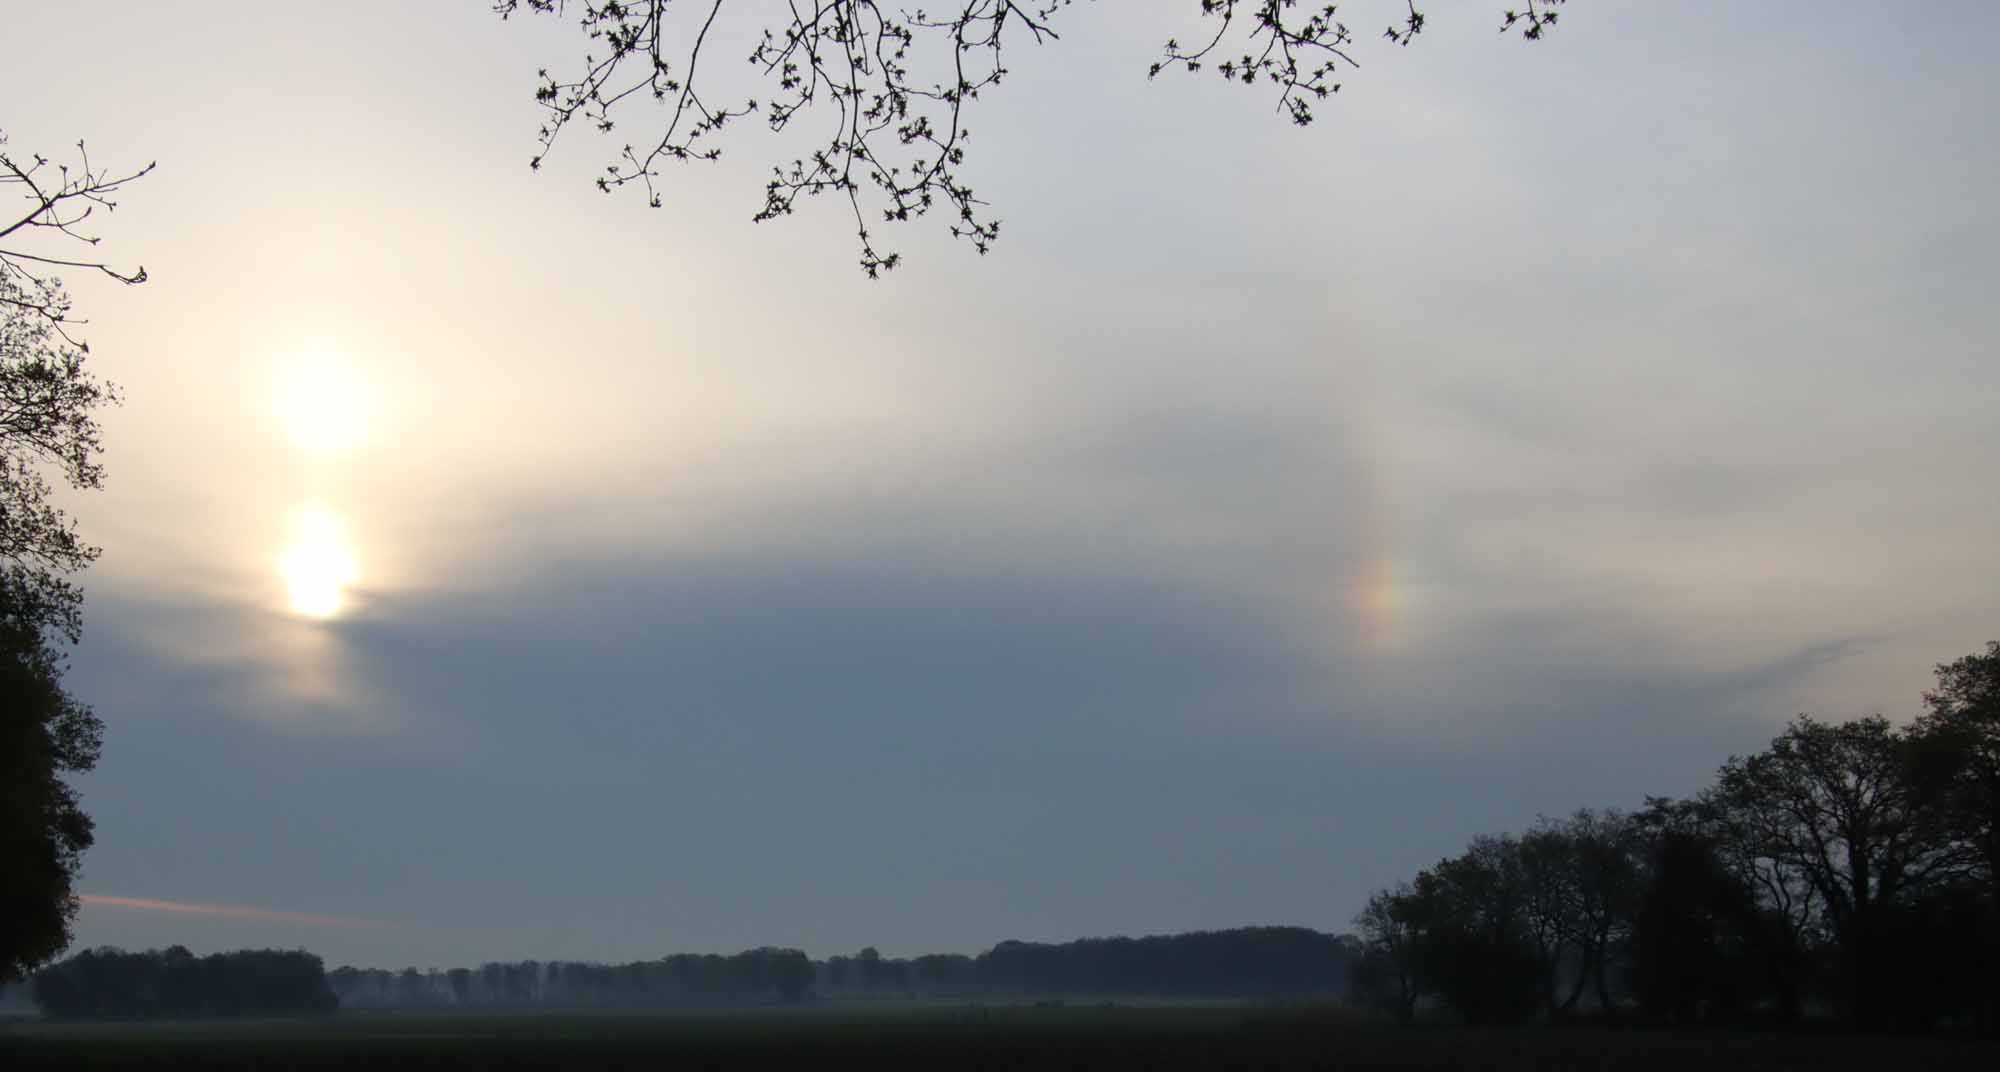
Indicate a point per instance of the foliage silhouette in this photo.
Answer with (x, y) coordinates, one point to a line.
(48, 404)
(110, 984)
(1264, 962)
(1847, 867)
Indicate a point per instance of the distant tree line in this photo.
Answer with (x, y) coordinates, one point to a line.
(111, 984)
(1850, 870)
(1248, 962)
(1244, 962)
(757, 976)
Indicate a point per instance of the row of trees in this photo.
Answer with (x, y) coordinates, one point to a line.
(1243, 962)
(1247, 962)
(753, 977)
(110, 984)
(1848, 869)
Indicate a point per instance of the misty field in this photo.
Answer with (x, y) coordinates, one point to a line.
(950, 1036)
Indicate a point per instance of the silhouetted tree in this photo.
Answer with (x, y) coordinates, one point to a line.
(1247, 961)
(48, 404)
(1542, 864)
(894, 86)
(1385, 974)
(943, 973)
(1511, 925)
(44, 735)
(1473, 942)
(1698, 949)
(1955, 769)
(1835, 803)
(1604, 850)
(1848, 866)
(753, 977)
(1956, 756)
(110, 984)
(788, 972)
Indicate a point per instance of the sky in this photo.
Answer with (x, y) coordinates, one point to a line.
(495, 569)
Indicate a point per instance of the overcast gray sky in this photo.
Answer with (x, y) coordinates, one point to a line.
(495, 569)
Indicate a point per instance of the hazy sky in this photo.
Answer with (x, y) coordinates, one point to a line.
(495, 569)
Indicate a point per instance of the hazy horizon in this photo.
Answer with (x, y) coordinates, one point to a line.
(498, 570)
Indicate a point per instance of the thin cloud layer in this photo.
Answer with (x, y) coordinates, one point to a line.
(261, 915)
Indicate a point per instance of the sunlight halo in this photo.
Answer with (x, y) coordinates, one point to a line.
(321, 405)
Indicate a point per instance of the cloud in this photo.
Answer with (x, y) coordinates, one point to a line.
(1273, 509)
(238, 912)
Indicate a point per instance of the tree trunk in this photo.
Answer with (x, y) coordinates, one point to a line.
(1576, 988)
(1598, 962)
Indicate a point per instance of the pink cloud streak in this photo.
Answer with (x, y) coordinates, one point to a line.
(262, 915)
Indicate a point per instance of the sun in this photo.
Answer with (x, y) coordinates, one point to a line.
(318, 565)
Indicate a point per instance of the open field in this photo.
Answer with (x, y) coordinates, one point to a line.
(948, 1037)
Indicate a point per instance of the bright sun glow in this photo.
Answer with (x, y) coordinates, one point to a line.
(318, 565)
(321, 404)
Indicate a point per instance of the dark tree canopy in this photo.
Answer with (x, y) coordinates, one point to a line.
(44, 734)
(48, 426)
(111, 984)
(893, 87)
(1956, 756)
(1848, 867)
(1384, 975)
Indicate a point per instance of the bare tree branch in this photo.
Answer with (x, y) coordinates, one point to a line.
(897, 138)
(59, 200)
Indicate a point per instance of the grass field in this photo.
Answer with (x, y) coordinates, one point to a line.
(946, 1037)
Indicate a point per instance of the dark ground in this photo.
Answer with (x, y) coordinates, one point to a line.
(949, 1037)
